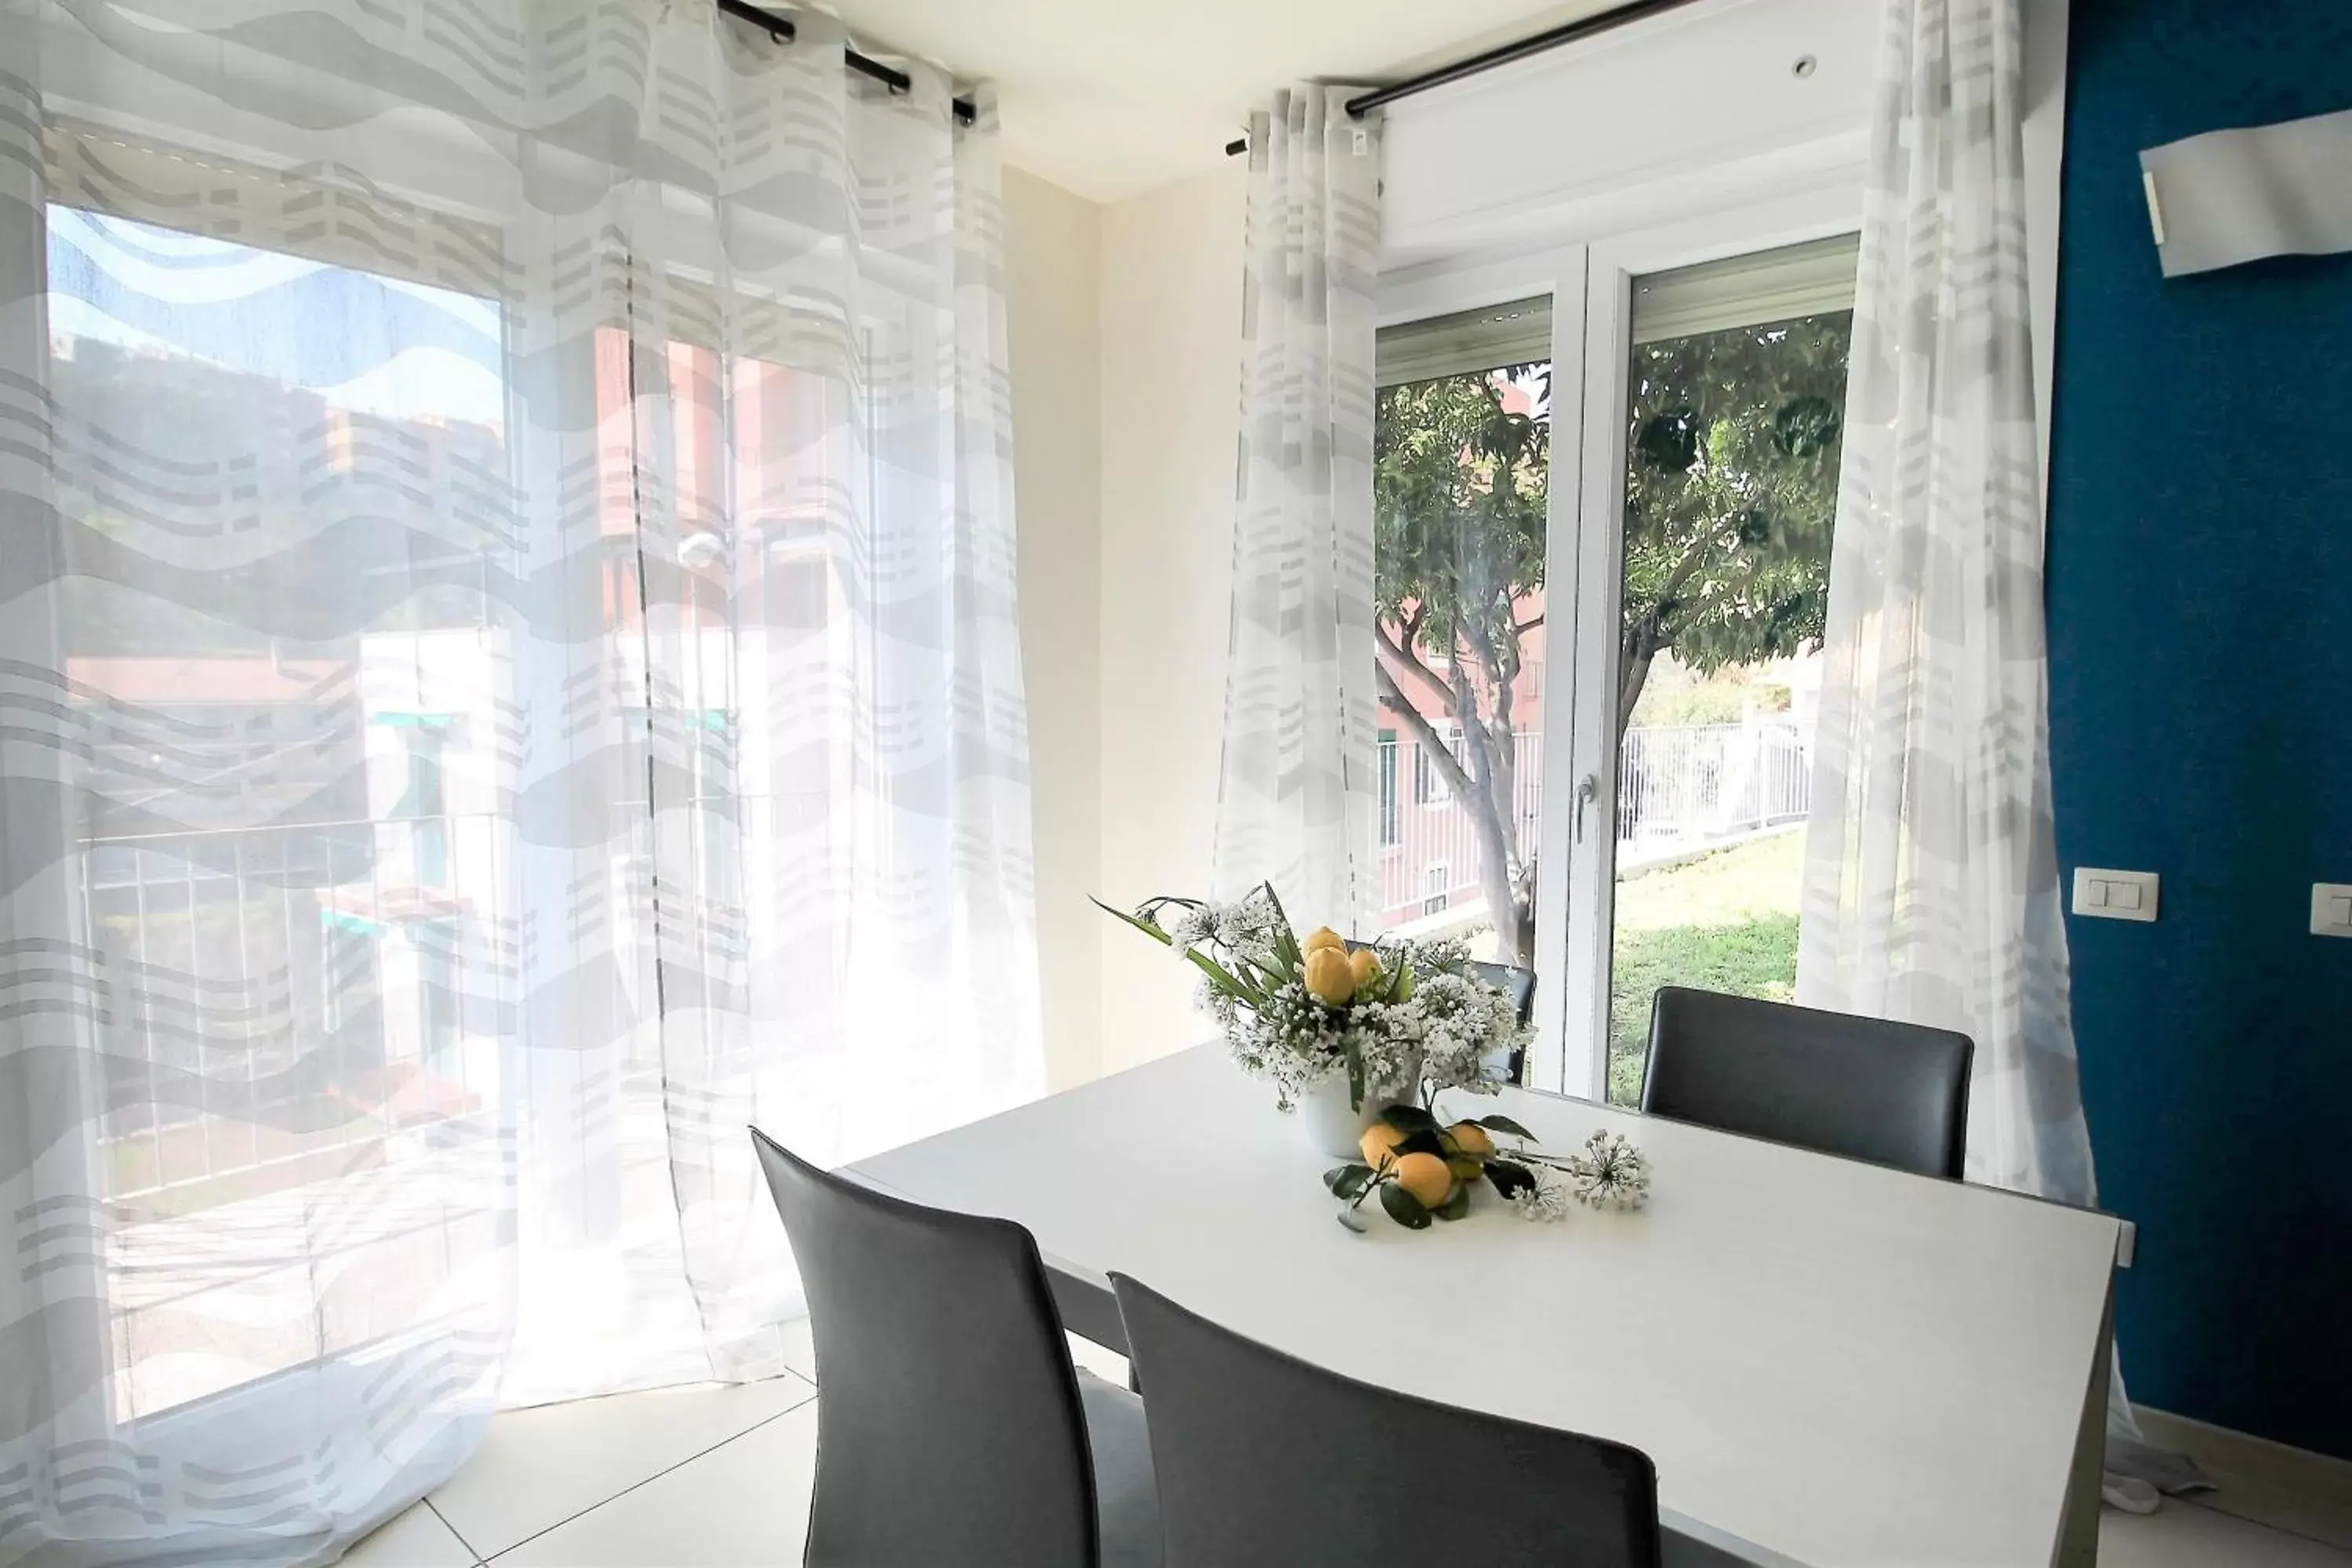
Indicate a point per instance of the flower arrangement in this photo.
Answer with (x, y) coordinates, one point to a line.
(1423, 1171)
(1391, 1016)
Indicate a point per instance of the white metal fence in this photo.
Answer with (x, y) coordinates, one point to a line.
(1678, 786)
(1694, 782)
(239, 949)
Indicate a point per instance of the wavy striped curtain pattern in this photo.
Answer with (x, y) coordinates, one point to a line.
(1931, 871)
(1298, 798)
(509, 672)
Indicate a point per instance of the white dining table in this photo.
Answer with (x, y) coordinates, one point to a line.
(1831, 1363)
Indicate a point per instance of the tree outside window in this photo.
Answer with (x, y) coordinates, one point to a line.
(1732, 447)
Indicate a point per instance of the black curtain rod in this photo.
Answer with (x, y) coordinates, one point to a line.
(781, 30)
(1503, 54)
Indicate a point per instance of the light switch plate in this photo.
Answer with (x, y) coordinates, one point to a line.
(2114, 895)
(2331, 909)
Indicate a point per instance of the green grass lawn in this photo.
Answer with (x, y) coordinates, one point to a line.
(1727, 923)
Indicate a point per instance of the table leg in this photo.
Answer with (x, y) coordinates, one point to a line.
(1088, 1309)
(2078, 1528)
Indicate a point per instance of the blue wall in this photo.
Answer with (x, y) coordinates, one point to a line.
(2200, 619)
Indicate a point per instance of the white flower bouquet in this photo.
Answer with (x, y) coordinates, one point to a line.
(1396, 1017)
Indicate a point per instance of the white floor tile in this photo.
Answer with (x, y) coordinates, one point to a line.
(746, 1503)
(711, 1477)
(2183, 1535)
(539, 1468)
(800, 1349)
(2270, 1483)
(415, 1539)
(800, 1354)
(2326, 1517)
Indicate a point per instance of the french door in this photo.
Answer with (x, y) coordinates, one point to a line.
(1603, 514)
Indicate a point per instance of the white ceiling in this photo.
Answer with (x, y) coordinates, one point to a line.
(1108, 97)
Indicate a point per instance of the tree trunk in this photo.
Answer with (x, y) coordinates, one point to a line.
(1632, 674)
(1496, 884)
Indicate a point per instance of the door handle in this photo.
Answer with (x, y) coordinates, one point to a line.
(1588, 789)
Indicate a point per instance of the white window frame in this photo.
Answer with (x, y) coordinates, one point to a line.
(1590, 286)
(1580, 226)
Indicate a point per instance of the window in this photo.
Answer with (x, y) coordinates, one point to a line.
(306, 398)
(1436, 888)
(1390, 826)
(1460, 475)
(1735, 396)
(1430, 784)
(1699, 563)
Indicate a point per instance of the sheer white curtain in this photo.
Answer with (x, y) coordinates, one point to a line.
(1931, 888)
(1297, 798)
(509, 675)
(1931, 876)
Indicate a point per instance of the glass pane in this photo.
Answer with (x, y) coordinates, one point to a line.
(1462, 465)
(284, 487)
(1730, 492)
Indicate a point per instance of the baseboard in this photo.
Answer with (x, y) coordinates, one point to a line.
(2271, 1483)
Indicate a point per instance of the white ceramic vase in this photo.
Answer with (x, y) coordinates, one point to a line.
(1334, 1128)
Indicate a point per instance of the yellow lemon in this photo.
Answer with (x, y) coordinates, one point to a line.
(1330, 978)
(1366, 966)
(1470, 1138)
(1426, 1177)
(1466, 1148)
(1321, 938)
(1379, 1143)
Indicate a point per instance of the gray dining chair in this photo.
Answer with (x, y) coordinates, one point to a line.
(1267, 1461)
(1868, 1088)
(1519, 985)
(952, 1427)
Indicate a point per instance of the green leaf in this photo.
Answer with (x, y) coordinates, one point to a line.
(1354, 1072)
(1351, 1219)
(1347, 1180)
(1267, 977)
(1226, 980)
(1410, 1118)
(1421, 1141)
(1509, 1179)
(1233, 984)
(1286, 940)
(1457, 1205)
(1668, 441)
(1146, 927)
(1404, 1207)
(1806, 427)
(1504, 1125)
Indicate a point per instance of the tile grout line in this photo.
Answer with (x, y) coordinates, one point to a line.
(455, 1532)
(2290, 1530)
(633, 1486)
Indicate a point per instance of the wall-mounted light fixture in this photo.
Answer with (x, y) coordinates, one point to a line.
(2230, 197)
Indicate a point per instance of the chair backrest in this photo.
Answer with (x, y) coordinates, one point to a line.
(1519, 985)
(1264, 1459)
(1869, 1089)
(948, 1426)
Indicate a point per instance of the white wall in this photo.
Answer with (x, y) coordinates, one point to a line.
(1123, 325)
(1683, 112)
(1052, 303)
(1170, 331)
